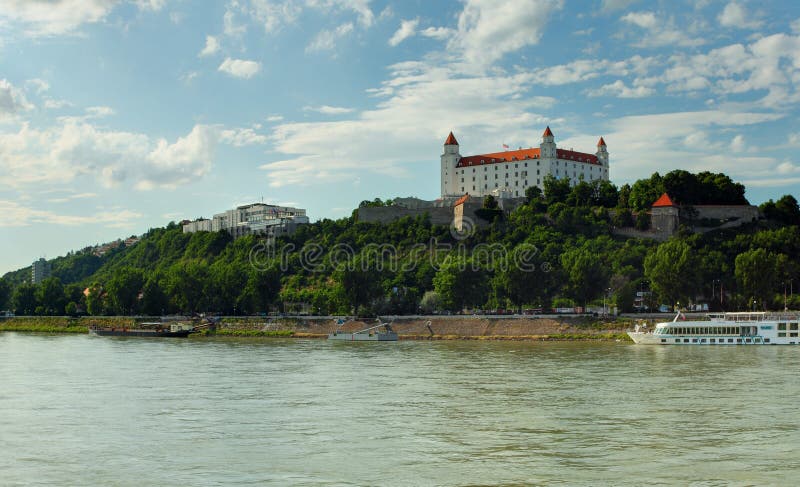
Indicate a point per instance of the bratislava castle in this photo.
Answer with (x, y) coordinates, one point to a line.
(511, 172)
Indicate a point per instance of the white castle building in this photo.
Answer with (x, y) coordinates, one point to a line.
(511, 172)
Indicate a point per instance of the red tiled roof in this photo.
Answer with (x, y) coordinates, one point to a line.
(576, 156)
(524, 154)
(664, 200)
(547, 132)
(601, 142)
(505, 156)
(451, 140)
(461, 200)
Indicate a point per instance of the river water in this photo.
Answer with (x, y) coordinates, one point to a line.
(84, 410)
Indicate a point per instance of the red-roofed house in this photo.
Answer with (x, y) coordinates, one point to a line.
(511, 172)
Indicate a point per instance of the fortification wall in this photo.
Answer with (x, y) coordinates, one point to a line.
(387, 214)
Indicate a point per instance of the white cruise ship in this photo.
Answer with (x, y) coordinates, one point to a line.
(724, 329)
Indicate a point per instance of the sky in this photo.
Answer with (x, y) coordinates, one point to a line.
(117, 116)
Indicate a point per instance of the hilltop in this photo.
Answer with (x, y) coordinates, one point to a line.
(558, 248)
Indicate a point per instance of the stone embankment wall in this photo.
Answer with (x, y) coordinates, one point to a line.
(467, 327)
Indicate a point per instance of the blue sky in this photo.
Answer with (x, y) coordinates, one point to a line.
(117, 116)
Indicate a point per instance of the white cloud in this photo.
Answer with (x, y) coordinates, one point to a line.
(620, 90)
(72, 197)
(55, 17)
(438, 33)
(407, 29)
(240, 68)
(273, 14)
(53, 104)
(695, 141)
(75, 148)
(274, 118)
(12, 100)
(736, 16)
(483, 110)
(645, 20)
(240, 137)
(659, 31)
(152, 5)
(328, 110)
(12, 214)
(211, 47)
(99, 111)
(325, 40)
(489, 29)
(38, 85)
(230, 26)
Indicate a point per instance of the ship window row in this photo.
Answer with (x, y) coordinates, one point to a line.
(703, 330)
(792, 326)
(783, 334)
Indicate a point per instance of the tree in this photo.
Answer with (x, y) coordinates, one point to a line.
(50, 296)
(96, 300)
(430, 302)
(671, 269)
(758, 273)
(5, 293)
(645, 192)
(23, 300)
(586, 272)
(154, 301)
(556, 190)
(71, 309)
(461, 283)
(123, 290)
(359, 282)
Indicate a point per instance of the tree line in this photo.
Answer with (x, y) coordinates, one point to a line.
(556, 249)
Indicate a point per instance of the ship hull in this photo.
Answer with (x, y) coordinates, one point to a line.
(363, 337)
(141, 333)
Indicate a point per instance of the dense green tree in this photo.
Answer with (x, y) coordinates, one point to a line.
(50, 296)
(556, 190)
(645, 192)
(759, 274)
(461, 283)
(5, 293)
(587, 274)
(124, 288)
(96, 304)
(23, 299)
(671, 269)
(154, 301)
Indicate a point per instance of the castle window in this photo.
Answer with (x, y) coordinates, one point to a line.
(495, 185)
(526, 164)
(516, 174)
(462, 180)
(537, 162)
(473, 178)
(462, 189)
(538, 182)
(473, 187)
(537, 172)
(516, 166)
(526, 182)
(485, 177)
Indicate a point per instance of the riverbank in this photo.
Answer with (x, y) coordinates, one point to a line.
(411, 328)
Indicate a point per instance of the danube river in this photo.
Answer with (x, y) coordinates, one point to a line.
(84, 410)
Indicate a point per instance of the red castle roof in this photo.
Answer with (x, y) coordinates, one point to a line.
(524, 154)
(451, 140)
(601, 142)
(461, 200)
(547, 132)
(664, 200)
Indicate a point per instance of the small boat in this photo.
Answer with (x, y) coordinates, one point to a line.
(370, 334)
(154, 330)
(723, 329)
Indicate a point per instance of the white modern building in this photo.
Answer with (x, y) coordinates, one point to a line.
(40, 270)
(256, 218)
(509, 173)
